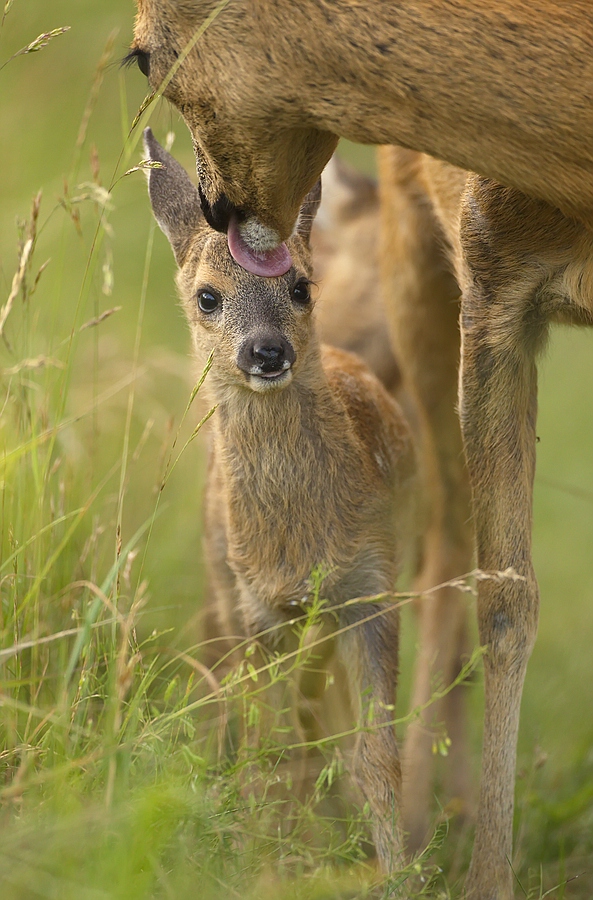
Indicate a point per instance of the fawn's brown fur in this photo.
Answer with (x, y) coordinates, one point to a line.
(311, 465)
(498, 88)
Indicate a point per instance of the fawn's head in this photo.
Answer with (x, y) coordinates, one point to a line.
(260, 328)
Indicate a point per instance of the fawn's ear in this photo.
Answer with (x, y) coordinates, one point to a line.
(309, 208)
(174, 199)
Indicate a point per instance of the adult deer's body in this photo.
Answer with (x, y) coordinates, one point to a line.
(311, 467)
(502, 89)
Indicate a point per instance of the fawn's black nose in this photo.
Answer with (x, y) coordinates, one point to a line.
(265, 354)
(269, 356)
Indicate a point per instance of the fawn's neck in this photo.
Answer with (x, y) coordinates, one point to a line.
(276, 436)
(290, 481)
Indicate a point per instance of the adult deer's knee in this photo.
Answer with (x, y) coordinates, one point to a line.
(508, 617)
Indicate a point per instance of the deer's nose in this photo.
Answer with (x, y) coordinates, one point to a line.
(269, 356)
(265, 354)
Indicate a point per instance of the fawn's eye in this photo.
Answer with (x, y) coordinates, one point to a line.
(208, 301)
(301, 292)
(140, 57)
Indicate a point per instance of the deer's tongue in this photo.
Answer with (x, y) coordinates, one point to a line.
(268, 263)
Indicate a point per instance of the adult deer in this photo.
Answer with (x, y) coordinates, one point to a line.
(501, 89)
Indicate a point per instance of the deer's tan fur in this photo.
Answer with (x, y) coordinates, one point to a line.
(521, 265)
(501, 89)
(349, 313)
(310, 468)
(345, 242)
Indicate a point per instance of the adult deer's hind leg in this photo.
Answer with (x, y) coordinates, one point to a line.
(503, 324)
(421, 297)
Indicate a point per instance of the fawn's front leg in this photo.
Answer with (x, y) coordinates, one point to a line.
(369, 649)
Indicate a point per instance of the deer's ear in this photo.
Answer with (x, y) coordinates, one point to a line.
(309, 208)
(174, 199)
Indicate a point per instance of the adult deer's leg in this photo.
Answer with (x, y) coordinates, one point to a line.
(421, 298)
(502, 326)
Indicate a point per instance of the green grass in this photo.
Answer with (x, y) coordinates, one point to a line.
(115, 777)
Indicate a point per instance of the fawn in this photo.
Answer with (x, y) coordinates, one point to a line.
(311, 464)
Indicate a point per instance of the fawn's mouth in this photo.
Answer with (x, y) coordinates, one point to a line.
(269, 381)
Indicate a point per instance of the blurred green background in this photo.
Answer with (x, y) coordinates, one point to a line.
(44, 96)
(42, 101)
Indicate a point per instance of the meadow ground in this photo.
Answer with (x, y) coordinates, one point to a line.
(113, 779)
